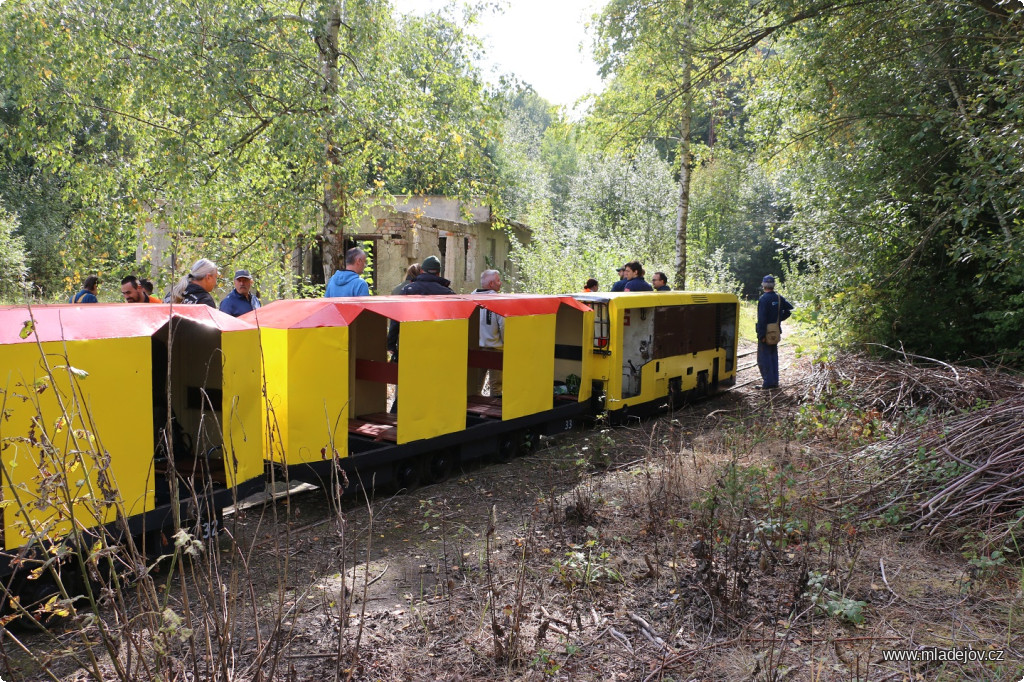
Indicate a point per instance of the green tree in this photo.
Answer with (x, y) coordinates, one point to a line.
(895, 130)
(12, 256)
(618, 209)
(239, 123)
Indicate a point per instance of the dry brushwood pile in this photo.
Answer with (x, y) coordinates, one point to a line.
(897, 387)
(966, 470)
(957, 462)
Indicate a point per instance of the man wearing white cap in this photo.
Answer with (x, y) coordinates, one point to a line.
(240, 300)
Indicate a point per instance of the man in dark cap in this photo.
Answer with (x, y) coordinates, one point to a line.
(241, 299)
(428, 283)
(621, 284)
(772, 309)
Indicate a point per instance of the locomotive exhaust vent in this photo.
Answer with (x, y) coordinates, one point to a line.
(700, 298)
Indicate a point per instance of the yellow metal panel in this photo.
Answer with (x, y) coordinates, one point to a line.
(589, 364)
(613, 387)
(432, 379)
(274, 354)
(241, 408)
(110, 413)
(529, 365)
(318, 410)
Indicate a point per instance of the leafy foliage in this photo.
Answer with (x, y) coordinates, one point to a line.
(12, 255)
(902, 166)
(238, 123)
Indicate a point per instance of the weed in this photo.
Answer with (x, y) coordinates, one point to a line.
(585, 565)
(832, 603)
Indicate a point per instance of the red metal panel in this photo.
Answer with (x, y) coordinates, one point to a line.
(419, 308)
(377, 370)
(485, 359)
(84, 322)
(514, 305)
(305, 313)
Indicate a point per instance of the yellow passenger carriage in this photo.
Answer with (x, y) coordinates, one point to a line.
(330, 382)
(85, 392)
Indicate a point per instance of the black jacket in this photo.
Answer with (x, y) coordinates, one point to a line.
(195, 294)
(425, 284)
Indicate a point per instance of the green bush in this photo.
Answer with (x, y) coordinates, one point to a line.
(12, 256)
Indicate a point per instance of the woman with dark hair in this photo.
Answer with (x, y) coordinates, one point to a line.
(635, 278)
(88, 292)
(591, 286)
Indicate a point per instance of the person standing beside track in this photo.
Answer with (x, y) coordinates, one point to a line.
(195, 287)
(635, 278)
(241, 300)
(88, 291)
(620, 283)
(411, 273)
(133, 292)
(771, 309)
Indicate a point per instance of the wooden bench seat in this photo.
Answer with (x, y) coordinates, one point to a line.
(378, 426)
(484, 406)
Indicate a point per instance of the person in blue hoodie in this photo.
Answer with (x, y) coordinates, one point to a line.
(348, 282)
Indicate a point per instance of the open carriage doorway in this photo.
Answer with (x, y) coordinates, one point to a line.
(191, 389)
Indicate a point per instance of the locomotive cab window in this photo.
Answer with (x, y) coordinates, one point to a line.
(602, 327)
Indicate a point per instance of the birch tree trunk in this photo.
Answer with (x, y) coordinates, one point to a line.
(334, 191)
(685, 160)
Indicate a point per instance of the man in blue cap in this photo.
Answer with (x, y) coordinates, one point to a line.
(772, 309)
(241, 299)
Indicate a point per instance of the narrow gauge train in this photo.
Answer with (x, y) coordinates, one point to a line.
(301, 388)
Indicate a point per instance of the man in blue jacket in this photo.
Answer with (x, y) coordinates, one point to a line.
(771, 308)
(348, 282)
(241, 299)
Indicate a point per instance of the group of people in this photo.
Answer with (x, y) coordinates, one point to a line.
(631, 278)
(424, 279)
(193, 289)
